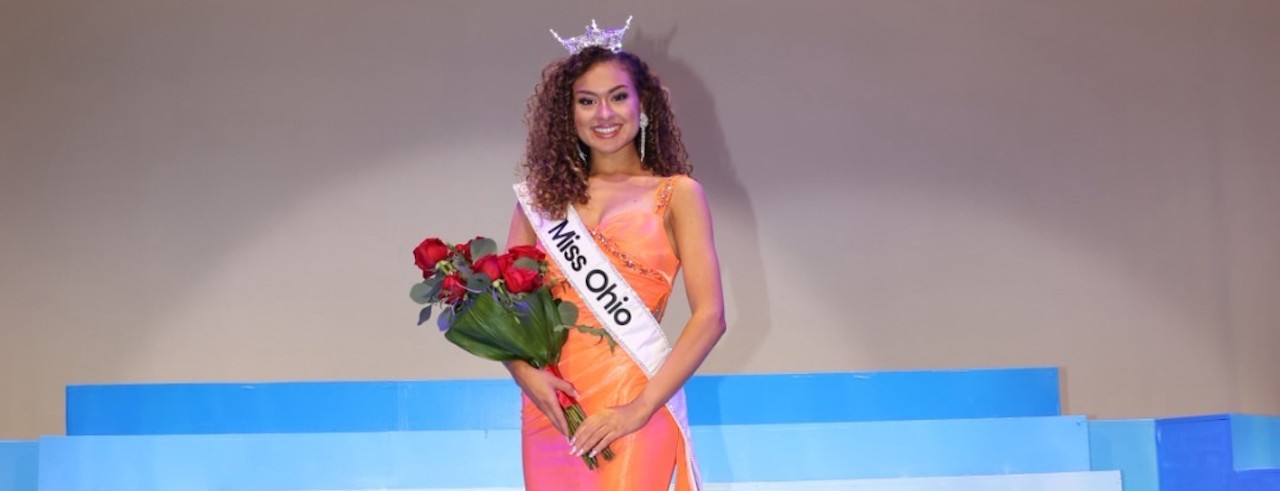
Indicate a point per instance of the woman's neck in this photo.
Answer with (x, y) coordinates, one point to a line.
(623, 162)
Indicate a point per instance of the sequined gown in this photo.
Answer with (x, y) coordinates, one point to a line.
(636, 243)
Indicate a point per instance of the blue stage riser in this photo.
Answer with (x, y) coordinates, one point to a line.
(893, 449)
(1128, 446)
(18, 463)
(457, 459)
(308, 407)
(1256, 480)
(1224, 452)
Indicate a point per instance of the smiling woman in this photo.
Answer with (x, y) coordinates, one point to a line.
(604, 107)
(608, 196)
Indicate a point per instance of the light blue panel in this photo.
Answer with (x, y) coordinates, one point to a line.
(1065, 481)
(1255, 441)
(1128, 446)
(1069, 481)
(892, 449)
(306, 407)
(296, 461)
(455, 459)
(19, 461)
(873, 396)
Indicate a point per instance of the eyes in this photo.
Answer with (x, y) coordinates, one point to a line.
(616, 97)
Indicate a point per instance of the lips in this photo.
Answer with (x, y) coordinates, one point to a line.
(606, 132)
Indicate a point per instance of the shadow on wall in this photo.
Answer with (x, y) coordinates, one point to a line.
(742, 267)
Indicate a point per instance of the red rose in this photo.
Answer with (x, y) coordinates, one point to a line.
(505, 261)
(531, 252)
(520, 280)
(465, 249)
(452, 288)
(491, 266)
(428, 253)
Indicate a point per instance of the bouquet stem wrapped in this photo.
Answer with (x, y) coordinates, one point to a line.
(498, 307)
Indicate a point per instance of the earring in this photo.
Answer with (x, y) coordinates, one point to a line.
(644, 123)
(582, 155)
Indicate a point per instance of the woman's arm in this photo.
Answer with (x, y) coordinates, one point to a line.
(695, 244)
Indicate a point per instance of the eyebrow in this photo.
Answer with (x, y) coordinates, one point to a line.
(610, 91)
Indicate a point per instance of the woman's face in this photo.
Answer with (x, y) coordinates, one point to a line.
(606, 108)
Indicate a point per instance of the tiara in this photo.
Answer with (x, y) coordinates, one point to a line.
(610, 39)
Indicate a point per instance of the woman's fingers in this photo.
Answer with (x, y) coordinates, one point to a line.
(553, 412)
(563, 385)
(604, 442)
(590, 433)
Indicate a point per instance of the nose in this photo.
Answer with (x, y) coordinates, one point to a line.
(605, 110)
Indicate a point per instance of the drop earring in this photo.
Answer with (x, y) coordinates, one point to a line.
(582, 155)
(644, 123)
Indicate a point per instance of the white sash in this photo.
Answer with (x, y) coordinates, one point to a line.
(615, 304)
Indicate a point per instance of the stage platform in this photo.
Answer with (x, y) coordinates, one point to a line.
(972, 430)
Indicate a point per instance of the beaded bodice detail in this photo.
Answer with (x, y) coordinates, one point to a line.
(636, 242)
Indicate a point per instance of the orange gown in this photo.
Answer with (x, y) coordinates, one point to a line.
(636, 243)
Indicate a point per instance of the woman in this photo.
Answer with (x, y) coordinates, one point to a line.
(603, 140)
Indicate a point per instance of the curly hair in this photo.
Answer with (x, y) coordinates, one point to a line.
(552, 166)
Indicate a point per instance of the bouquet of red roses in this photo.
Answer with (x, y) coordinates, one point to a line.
(498, 307)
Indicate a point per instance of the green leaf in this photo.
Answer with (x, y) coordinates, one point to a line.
(486, 321)
(478, 347)
(463, 268)
(527, 263)
(547, 317)
(568, 312)
(597, 332)
(435, 280)
(424, 315)
(479, 282)
(483, 247)
(421, 293)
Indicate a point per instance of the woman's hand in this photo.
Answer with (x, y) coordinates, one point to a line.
(541, 386)
(602, 428)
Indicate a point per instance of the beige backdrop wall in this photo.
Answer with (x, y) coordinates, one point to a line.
(229, 191)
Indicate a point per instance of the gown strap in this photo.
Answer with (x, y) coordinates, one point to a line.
(664, 194)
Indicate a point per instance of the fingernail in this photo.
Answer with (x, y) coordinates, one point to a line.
(573, 451)
(593, 454)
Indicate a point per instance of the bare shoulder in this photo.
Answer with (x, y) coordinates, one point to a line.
(687, 192)
(688, 210)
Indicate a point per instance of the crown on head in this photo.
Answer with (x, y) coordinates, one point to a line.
(610, 39)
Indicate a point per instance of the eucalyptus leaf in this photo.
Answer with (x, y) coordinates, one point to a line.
(597, 332)
(435, 280)
(568, 313)
(483, 247)
(464, 268)
(421, 293)
(424, 315)
(479, 282)
(445, 321)
(434, 292)
(527, 263)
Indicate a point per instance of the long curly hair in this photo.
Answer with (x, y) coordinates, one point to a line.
(553, 167)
